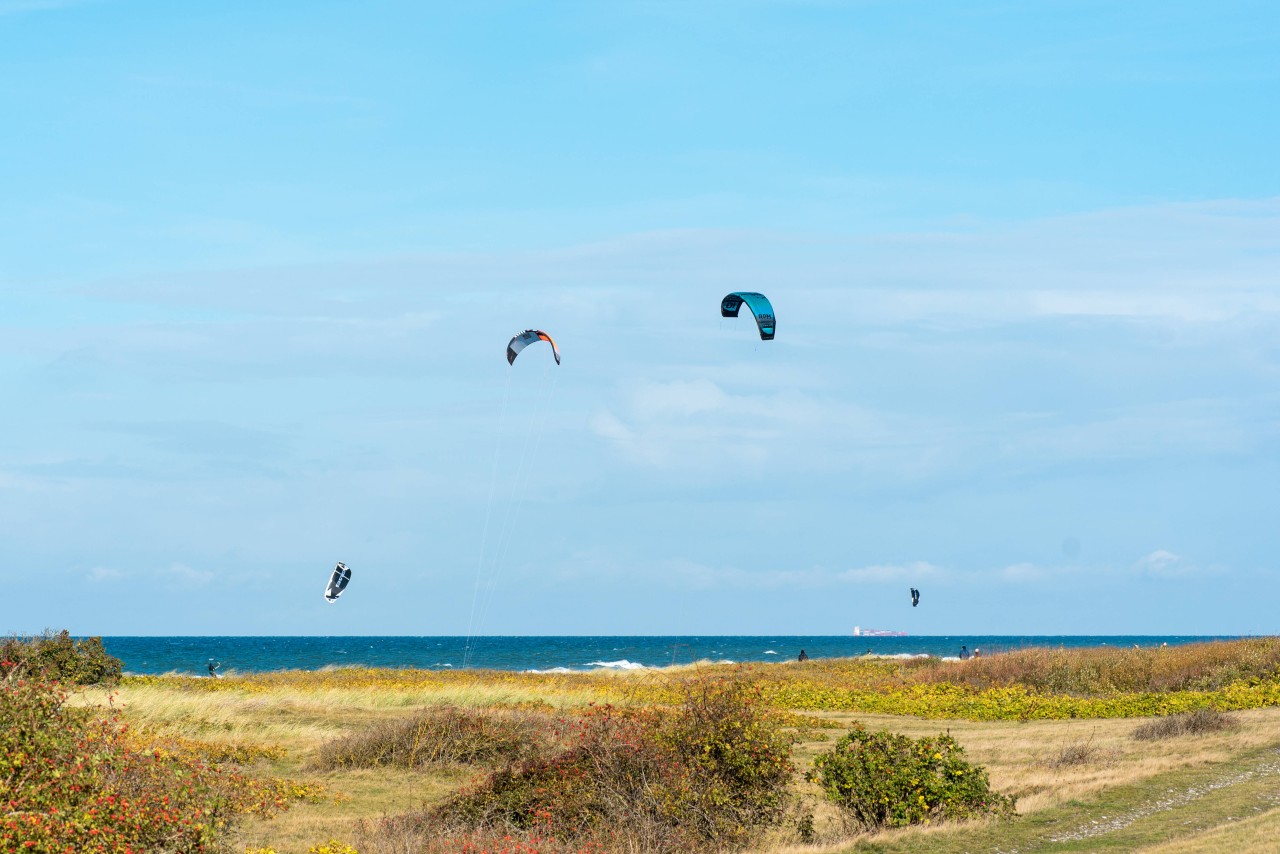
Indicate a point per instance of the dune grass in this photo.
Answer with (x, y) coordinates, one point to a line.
(439, 737)
(1064, 772)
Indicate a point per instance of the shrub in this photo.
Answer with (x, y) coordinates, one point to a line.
(883, 779)
(1076, 753)
(438, 736)
(706, 774)
(379, 839)
(736, 759)
(61, 658)
(333, 846)
(72, 780)
(1199, 722)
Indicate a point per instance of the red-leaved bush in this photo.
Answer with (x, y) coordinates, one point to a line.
(706, 774)
(74, 781)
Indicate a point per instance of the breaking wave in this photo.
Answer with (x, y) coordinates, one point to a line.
(621, 664)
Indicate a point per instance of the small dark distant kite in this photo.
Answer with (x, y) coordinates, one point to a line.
(338, 582)
(760, 307)
(915, 597)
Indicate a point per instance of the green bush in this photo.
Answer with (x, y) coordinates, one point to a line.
(883, 779)
(735, 759)
(708, 773)
(60, 658)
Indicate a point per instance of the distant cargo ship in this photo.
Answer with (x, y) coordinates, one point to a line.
(860, 632)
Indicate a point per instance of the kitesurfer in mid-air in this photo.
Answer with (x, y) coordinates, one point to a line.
(915, 597)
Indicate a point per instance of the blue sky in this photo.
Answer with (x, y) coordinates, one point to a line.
(259, 263)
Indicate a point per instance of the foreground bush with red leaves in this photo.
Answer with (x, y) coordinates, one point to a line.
(75, 780)
(707, 774)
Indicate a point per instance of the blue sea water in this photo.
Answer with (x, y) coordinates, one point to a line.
(259, 654)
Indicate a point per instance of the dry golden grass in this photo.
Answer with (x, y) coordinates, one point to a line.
(372, 793)
(300, 712)
(1105, 670)
(296, 717)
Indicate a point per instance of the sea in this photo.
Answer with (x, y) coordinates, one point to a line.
(150, 655)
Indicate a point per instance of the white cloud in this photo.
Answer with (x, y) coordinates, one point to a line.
(607, 426)
(884, 573)
(101, 574)
(1023, 572)
(1165, 564)
(187, 576)
(1162, 563)
(699, 425)
(1182, 263)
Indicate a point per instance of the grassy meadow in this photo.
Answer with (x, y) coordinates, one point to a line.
(1053, 728)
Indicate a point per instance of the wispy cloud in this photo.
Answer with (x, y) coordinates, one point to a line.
(186, 576)
(100, 574)
(1020, 573)
(1162, 563)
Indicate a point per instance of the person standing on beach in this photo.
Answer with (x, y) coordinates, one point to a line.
(804, 656)
(964, 653)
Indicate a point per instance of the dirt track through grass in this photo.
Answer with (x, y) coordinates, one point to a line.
(1169, 809)
(1176, 799)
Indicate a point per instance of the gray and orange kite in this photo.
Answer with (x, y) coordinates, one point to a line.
(524, 339)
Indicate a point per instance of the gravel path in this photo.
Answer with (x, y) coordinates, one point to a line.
(1110, 824)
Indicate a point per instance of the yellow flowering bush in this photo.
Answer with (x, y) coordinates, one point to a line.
(883, 779)
(333, 846)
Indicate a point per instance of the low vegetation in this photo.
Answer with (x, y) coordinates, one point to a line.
(708, 773)
(714, 757)
(79, 780)
(1105, 671)
(1198, 722)
(446, 735)
(882, 779)
(1079, 752)
(58, 657)
(1030, 684)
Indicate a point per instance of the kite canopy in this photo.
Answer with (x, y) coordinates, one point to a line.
(338, 582)
(524, 339)
(759, 305)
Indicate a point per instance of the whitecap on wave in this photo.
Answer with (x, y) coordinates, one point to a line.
(549, 670)
(621, 664)
(769, 652)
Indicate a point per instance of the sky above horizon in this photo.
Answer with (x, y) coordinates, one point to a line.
(259, 264)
